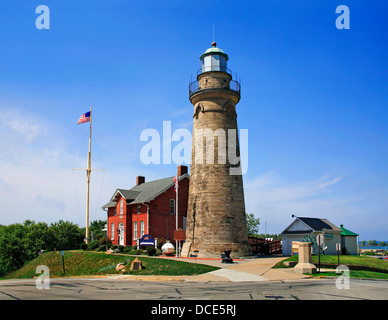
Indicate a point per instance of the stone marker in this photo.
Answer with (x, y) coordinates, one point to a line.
(136, 264)
(120, 266)
(305, 265)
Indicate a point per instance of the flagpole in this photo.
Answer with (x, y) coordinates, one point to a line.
(176, 208)
(88, 170)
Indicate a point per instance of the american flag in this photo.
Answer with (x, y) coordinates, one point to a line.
(84, 118)
(176, 184)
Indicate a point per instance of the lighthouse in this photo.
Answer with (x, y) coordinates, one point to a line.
(216, 219)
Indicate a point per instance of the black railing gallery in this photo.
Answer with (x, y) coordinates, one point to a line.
(234, 85)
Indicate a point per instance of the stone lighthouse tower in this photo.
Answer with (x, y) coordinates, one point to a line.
(216, 218)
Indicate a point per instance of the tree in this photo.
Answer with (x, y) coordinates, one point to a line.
(96, 227)
(20, 243)
(67, 235)
(252, 224)
(12, 253)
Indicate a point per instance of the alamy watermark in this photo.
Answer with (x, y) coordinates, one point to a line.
(210, 147)
(343, 281)
(43, 20)
(43, 280)
(343, 20)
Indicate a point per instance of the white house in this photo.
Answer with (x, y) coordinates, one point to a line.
(307, 229)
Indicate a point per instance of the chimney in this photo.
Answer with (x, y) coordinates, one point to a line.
(140, 180)
(182, 170)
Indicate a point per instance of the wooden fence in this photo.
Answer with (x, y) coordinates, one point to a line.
(265, 247)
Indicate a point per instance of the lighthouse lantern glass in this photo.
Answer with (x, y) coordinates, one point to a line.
(213, 62)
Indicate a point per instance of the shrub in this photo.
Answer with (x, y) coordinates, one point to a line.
(93, 245)
(102, 248)
(83, 246)
(104, 241)
(151, 251)
(127, 249)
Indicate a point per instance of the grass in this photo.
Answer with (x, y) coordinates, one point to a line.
(354, 274)
(359, 261)
(86, 263)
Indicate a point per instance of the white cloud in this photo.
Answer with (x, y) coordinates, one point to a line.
(325, 182)
(34, 172)
(18, 123)
(274, 200)
(36, 177)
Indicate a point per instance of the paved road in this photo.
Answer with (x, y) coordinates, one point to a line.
(105, 288)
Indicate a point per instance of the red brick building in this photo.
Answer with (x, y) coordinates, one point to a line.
(147, 208)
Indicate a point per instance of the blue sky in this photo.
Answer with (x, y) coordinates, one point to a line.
(314, 101)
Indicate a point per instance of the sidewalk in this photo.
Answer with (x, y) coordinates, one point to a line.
(256, 269)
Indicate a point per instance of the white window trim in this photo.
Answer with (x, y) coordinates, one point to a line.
(141, 228)
(112, 231)
(135, 230)
(121, 207)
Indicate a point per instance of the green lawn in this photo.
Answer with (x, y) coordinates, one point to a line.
(354, 274)
(349, 261)
(81, 263)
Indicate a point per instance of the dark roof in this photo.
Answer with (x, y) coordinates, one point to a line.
(150, 190)
(315, 224)
(144, 192)
(298, 232)
(319, 224)
(109, 205)
(129, 194)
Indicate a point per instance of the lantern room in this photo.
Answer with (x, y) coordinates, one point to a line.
(214, 59)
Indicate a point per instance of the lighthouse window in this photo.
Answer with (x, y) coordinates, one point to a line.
(215, 63)
(207, 64)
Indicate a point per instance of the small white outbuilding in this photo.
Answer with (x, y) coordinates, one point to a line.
(307, 230)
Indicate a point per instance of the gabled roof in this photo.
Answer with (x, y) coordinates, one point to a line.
(318, 224)
(144, 192)
(312, 225)
(126, 194)
(109, 205)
